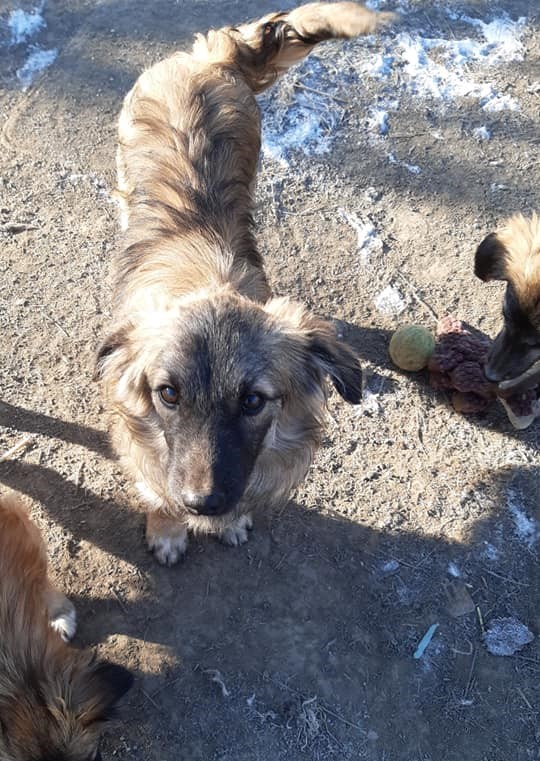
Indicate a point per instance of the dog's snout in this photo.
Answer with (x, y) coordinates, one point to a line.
(204, 503)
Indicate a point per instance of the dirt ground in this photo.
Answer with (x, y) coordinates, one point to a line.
(312, 626)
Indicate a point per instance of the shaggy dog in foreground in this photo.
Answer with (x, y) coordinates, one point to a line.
(513, 254)
(53, 699)
(216, 391)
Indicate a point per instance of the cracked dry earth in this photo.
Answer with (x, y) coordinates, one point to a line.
(298, 645)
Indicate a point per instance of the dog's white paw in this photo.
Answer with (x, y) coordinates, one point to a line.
(65, 621)
(168, 550)
(237, 533)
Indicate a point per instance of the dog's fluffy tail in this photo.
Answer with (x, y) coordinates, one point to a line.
(265, 49)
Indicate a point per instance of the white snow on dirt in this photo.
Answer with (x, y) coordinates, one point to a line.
(526, 528)
(453, 570)
(412, 168)
(368, 243)
(378, 121)
(304, 117)
(303, 114)
(390, 301)
(37, 61)
(482, 133)
(23, 25)
(446, 69)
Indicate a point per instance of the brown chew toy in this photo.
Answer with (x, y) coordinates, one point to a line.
(456, 365)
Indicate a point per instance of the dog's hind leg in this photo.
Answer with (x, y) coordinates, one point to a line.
(166, 537)
(237, 533)
(62, 615)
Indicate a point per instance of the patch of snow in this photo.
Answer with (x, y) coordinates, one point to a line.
(502, 35)
(368, 243)
(301, 113)
(495, 102)
(453, 570)
(301, 131)
(379, 65)
(76, 178)
(369, 404)
(439, 68)
(376, 5)
(391, 566)
(490, 552)
(405, 594)
(390, 301)
(525, 527)
(23, 25)
(505, 636)
(37, 61)
(299, 116)
(378, 121)
(482, 133)
(372, 195)
(412, 168)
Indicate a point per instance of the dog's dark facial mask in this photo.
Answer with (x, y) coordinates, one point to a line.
(516, 349)
(220, 387)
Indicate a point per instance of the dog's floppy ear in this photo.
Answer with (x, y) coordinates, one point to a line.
(104, 686)
(334, 358)
(110, 345)
(317, 343)
(490, 259)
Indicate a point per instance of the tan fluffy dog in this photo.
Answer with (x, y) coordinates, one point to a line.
(512, 253)
(53, 698)
(217, 392)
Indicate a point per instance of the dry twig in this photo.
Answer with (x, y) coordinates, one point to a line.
(17, 448)
(215, 676)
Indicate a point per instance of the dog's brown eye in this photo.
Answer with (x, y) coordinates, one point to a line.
(169, 395)
(252, 404)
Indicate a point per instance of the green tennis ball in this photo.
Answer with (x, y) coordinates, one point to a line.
(411, 347)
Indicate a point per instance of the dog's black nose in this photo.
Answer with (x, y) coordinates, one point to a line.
(204, 504)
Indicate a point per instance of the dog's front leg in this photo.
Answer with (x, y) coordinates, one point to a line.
(61, 612)
(237, 532)
(166, 537)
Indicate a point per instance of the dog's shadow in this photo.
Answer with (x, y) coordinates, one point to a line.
(316, 607)
(29, 421)
(315, 604)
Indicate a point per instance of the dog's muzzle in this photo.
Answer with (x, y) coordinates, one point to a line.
(198, 503)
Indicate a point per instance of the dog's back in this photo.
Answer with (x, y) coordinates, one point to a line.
(52, 698)
(189, 140)
(23, 576)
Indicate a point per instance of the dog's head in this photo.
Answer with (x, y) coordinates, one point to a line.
(217, 382)
(59, 711)
(513, 254)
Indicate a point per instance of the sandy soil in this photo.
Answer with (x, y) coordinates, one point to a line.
(312, 626)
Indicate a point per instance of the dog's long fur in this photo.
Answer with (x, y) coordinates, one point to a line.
(512, 254)
(192, 306)
(53, 698)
